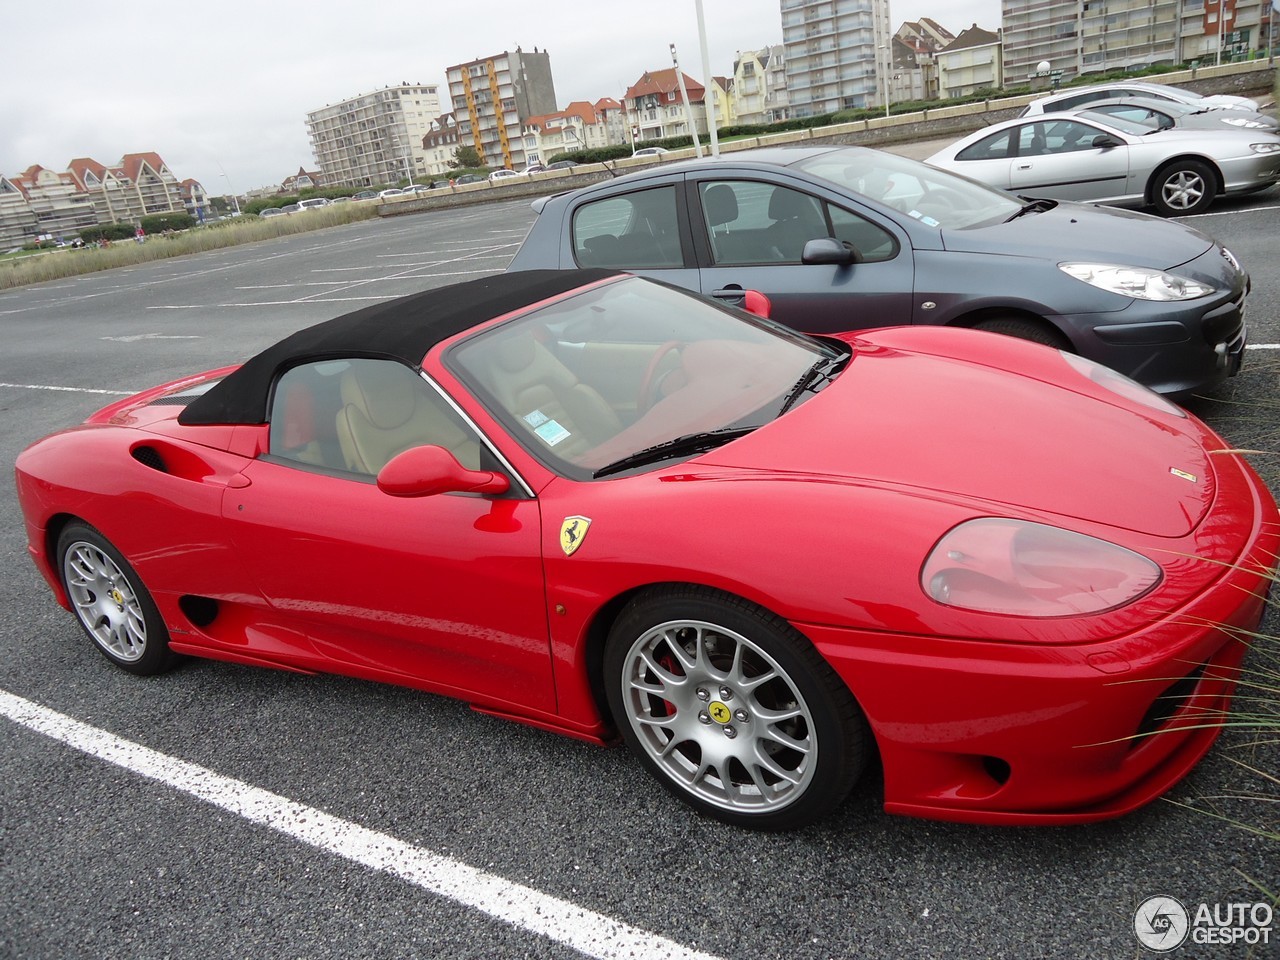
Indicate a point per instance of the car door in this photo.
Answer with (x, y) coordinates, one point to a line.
(1058, 158)
(446, 589)
(750, 232)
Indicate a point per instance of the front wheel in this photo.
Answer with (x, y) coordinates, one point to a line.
(1183, 188)
(1024, 329)
(732, 709)
(111, 603)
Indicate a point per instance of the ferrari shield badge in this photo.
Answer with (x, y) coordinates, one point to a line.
(572, 532)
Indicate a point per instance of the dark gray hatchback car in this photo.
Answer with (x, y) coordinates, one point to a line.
(843, 238)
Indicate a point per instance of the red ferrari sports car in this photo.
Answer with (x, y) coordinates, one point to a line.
(602, 506)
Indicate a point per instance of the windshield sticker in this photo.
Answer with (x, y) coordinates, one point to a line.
(535, 419)
(927, 221)
(551, 432)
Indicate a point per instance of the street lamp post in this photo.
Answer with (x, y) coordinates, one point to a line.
(688, 107)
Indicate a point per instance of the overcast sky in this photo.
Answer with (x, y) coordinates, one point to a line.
(221, 90)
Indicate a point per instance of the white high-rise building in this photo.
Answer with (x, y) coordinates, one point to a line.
(839, 54)
(374, 138)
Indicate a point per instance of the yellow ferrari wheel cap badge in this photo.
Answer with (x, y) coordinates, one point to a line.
(719, 712)
(572, 532)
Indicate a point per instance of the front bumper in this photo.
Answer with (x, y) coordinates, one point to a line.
(1009, 733)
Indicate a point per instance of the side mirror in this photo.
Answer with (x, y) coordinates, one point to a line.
(828, 250)
(1105, 141)
(753, 301)
(427, 471)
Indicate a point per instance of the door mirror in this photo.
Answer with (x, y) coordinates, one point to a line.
(829, 250)
(1105, 141)
(427, 471)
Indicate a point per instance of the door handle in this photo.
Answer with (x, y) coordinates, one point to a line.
(731, 292)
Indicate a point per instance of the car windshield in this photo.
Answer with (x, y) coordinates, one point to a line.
(635, 374)
(932, 196)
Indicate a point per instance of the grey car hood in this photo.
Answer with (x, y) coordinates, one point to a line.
(1079, 231)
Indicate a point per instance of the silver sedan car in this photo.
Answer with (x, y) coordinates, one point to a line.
(1078, 98)
(1165, 114)
(1095, 158)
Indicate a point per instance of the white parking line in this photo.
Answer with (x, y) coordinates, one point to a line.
(590, 933)
(45, 386)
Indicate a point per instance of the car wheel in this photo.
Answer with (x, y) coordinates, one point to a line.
(732, 709)
(1183, 188)
(112, 605)
(1025, 329)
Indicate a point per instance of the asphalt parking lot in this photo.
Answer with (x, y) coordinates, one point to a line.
(225, 811)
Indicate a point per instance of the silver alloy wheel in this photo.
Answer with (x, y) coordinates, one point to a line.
(719, 716)
(1183, 190)
(105, 601)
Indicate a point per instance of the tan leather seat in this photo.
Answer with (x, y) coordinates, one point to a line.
(538, 389)
(387, 409)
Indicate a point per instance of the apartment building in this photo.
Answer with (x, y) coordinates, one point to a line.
(376, 137)
(1094, 36)
(759, 86)
(40, 202)
(493, 97)
(579, 126)
(656, 106)
(970, 63)
(838, 54)
(915, 46)
(440, 145)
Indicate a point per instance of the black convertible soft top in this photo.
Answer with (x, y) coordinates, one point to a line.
(404, 329)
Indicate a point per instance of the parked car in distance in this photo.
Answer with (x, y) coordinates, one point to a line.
(532, 168)
(313, 203)
(503, 174)
(1015, 583)
(468, 178)
(650, 152)
(1164, 114)
(390, 192)
(440, 185)
(366, 195)
(1077, 97)
(842, 238)
(271, 212)
(562, 165)
(1106, 159)
(290, 208)
(340, 199)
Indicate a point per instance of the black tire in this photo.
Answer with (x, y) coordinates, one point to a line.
(1183, 188)
(111, 603)
(732, 709)
(1024, 329)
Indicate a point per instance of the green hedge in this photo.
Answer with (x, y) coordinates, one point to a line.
(172, 220)
(108, 231)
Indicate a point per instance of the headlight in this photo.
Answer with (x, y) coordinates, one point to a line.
(1024, 569)
(1265, 147)
(1243, 122)
(1118, 383)
(1141, 283)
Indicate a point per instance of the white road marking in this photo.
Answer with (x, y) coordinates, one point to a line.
(586, 931)
(1228, 213)
(44, 386)
(133, 338)
(1262, 346)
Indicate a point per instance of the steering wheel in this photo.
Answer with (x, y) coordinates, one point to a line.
(647, 396)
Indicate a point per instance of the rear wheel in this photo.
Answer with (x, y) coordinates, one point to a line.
(732, 709)
(1025, 329)
(1183, 188)
(111, 603)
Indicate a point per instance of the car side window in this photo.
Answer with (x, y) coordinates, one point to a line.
(355, 415)
(631, 231)
(994, 147)
(1068, 136)
(748, 221)
(872, 242)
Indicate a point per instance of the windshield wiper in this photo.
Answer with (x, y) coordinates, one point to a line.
(822, 371)
(1032, 206)
(686, 445)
